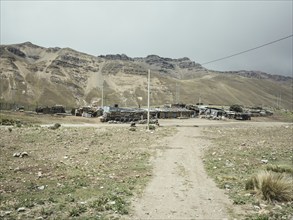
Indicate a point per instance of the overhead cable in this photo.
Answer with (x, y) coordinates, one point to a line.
(245, 51)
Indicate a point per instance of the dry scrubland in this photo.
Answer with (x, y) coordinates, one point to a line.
(92, 173)
(73, 172)
(254, 166)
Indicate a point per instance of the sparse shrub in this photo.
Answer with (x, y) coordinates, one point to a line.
(46, 212)
(119, 205)
(52, 200)
(239, 200)
(13, 122)
(249, 185)
(236, 108)
(272, 186)
(80, 182)
(55, 126)
(69, 198)
(152, 127)
(99, 204)
(6, 121)
(258, 217)
(27, 202)
(77, 210)
(110, 202)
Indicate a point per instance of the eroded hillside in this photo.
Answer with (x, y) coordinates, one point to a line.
(36, 75)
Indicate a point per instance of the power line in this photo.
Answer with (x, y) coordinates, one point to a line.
(245, 51)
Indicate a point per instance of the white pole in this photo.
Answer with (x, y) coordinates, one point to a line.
(148, 120)
(103, 94)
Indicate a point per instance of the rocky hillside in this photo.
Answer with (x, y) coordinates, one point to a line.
(36, 75)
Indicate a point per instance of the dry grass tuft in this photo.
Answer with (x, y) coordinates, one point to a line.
(272, 186)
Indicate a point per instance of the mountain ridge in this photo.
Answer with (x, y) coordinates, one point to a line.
(37, 75)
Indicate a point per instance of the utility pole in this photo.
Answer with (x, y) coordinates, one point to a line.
(280, 100)
(148, 119)
(14, 96)
(103, 94)
(177, 93)
(277, 100)
(199, 99)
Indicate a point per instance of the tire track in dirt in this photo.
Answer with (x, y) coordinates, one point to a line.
(180, 188)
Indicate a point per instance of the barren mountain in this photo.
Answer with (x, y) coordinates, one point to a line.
(36, 75)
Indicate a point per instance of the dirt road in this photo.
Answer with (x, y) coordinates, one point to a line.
(180, 188)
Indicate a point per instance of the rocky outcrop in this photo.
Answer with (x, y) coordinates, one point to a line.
(171, 64)
(112, 68)
(258, 75)
(116, 57)
(53, 49)
(165, 63)
(16, 52)
(74, 60)
(189, 65)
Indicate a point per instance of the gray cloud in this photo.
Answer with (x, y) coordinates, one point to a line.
(201, 30)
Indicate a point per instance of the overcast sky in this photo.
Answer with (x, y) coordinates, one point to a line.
(200, 30)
